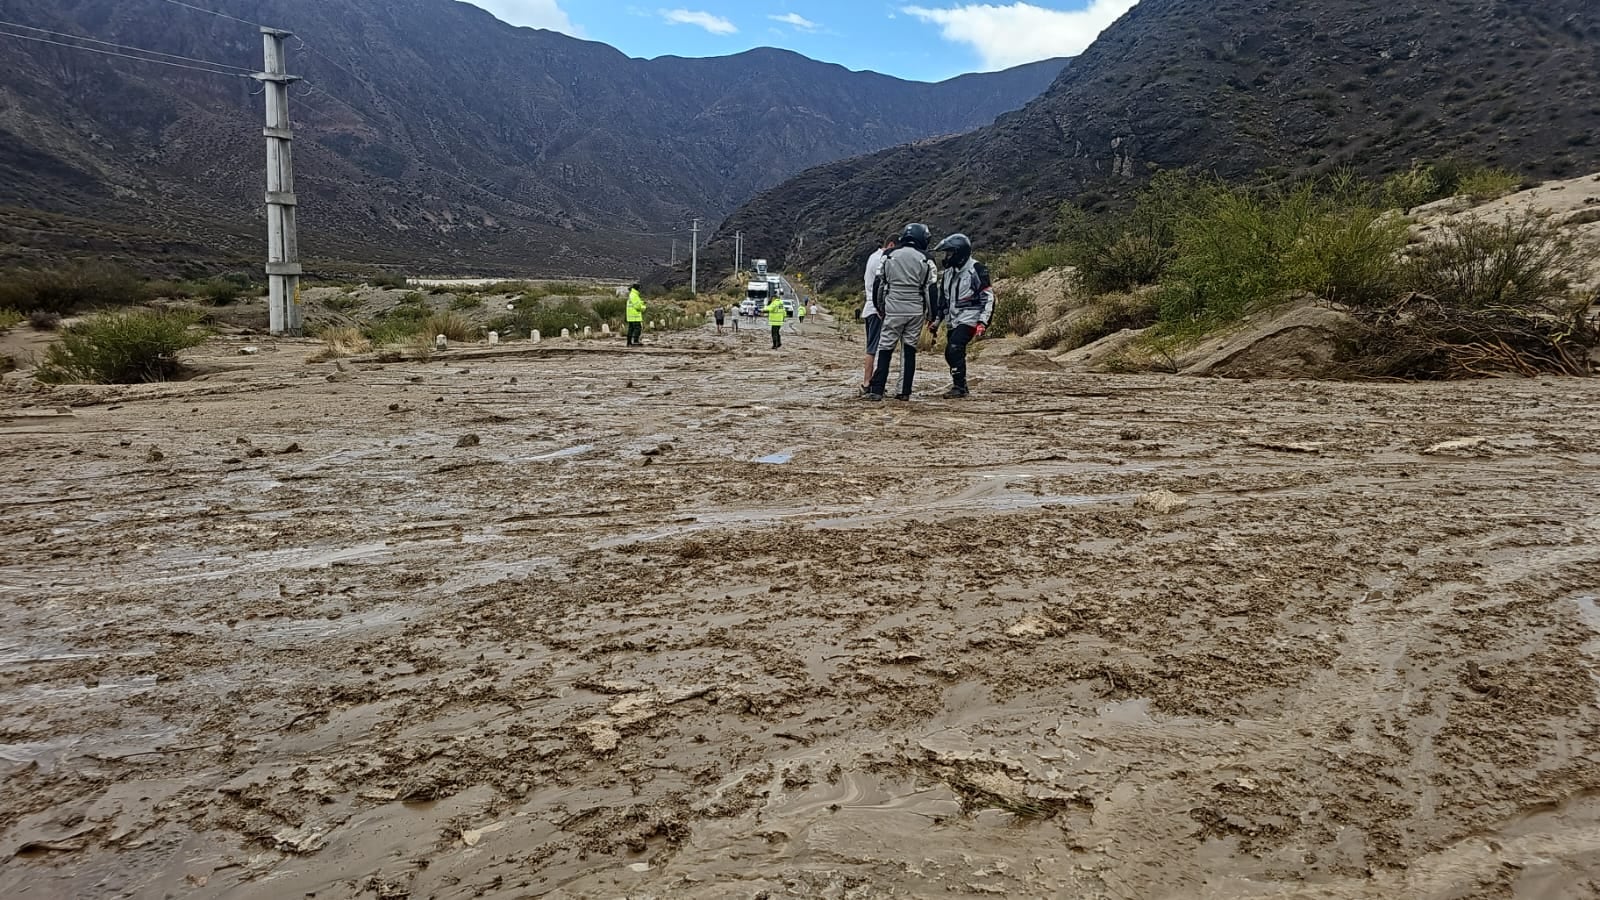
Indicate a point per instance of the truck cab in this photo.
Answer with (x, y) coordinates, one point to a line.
(755, 298)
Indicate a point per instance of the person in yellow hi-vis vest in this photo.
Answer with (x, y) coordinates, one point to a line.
(776, 313)
(635, 317)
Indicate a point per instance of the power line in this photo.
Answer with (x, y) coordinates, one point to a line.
(90, 40)
(219, 15)
(159, 62)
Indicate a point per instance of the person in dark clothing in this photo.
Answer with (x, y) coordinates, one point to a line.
(968, 306)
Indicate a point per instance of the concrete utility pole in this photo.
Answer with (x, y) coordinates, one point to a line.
(738, 252)
(674, 252)
(283, 245)
(694, 267)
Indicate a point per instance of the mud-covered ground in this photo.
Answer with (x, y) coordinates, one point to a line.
(689, 622)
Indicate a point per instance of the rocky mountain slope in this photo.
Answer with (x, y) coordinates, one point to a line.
(1234, 86)
(428, 133)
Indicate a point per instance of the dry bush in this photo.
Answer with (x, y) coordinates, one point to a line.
(453, 325)
(345, 341)
(125, 347)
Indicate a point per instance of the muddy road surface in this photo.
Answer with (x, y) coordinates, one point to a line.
(689, 622)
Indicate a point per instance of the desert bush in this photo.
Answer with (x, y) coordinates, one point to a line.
(390, 280)
(464, 302)
(452, 325)
(1118, 253)
(1015, 313)
(610, 309)
(7, 364)
(43, 320)
(345, 340)
(1411, 188)
(122, 347)
(1483, 185)
(70, 288)
(10, 318)
(1520, 262)
(342, 302)
(1029, 261)
(1239, 251)
(1422, 338)
(1106, 315)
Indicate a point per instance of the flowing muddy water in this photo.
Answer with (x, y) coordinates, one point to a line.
(688, 622)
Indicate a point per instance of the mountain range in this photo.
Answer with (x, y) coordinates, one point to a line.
(1241, 88)
(429, 136)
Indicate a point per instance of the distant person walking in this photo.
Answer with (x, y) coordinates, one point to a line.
(717, 314)
(800, 310)
(968, 305)
(871, 316)
(776, 313)
(636, 309)
(908, 292)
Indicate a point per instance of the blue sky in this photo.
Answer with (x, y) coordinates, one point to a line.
(926, 40)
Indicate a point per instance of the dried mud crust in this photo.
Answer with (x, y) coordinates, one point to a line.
(273, 635)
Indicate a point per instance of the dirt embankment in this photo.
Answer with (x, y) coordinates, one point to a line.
(687, 622)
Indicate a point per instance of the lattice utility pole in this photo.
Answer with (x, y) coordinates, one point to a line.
(285, 316)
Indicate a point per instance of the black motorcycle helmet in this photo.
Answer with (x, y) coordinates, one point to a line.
(957, 249)
(916, 235)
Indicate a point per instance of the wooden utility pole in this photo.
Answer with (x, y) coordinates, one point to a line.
(285, 316)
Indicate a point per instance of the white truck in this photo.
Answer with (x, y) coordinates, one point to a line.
(755, 298)
(760, 267)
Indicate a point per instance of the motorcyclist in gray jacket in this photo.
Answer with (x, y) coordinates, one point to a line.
(907, 289)
(968, 306)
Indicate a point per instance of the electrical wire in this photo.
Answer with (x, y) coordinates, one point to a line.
(159, 62)
(90, 40)
(219, 15)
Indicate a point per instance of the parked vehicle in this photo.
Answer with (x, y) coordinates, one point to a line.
(755, 297)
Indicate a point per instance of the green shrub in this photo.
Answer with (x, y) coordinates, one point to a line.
(1412, 188)
(71, 288)
(44, 320)
(465, 302)
(1520, 262)
(1030, 261)
(610, 309)
(10, 318)
(1238, 251)
(547, 318)
(389, 280)
(124, 347)
(1015, 313)
(1483, 185)
(1121, 252)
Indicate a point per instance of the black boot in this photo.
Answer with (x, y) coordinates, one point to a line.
(908, 372)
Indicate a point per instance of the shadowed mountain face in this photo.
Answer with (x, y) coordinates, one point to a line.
(1233, 86)
(428, 135)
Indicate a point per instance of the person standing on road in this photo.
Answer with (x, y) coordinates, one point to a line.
(776, 313)
(636, 309)
(968, 306)
(800, 310)
(717, 314)
(871, 316)
(907, 293)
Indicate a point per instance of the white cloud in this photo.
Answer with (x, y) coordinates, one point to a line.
(1020, 33)
(711, 23)
(797, 20)
(532, 13)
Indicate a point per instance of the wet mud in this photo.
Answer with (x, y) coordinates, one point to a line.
(689, 622)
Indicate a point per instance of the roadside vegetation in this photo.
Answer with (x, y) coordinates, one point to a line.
(1193, 256)
(121, 347)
